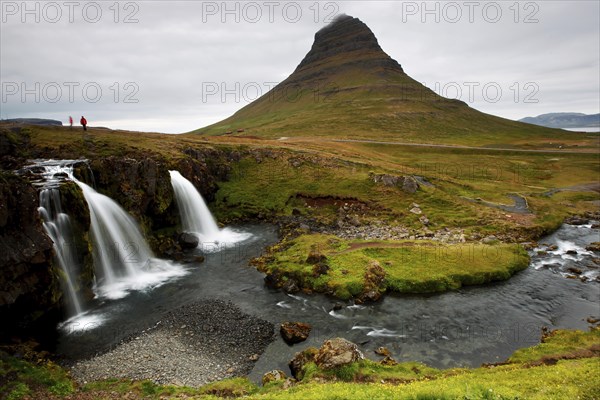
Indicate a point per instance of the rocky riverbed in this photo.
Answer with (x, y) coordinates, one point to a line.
(193, 345)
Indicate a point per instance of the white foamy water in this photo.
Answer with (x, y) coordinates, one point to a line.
(197, 219)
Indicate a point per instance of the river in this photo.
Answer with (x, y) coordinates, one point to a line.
(467, 327)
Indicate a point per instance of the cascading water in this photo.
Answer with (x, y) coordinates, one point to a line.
(195, 215)
(123, 260)
(197, 219)
(58, 227)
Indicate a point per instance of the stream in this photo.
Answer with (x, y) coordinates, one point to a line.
(467, 327)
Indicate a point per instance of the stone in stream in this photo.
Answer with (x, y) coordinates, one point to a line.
(188, 241)
(295, 332)
(382, 351)
(594, 246)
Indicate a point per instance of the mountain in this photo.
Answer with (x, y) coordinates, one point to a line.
(564, 120)
(33, 121)
(347, 86)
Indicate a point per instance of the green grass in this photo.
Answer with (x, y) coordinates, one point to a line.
(564, 366)
(22, 378)
(410, 266)
(272, 178)
(566, 380)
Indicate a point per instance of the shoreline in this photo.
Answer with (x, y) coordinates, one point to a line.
(195, 344)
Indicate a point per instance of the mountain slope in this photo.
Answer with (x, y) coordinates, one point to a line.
(347, 86)
(564, 120)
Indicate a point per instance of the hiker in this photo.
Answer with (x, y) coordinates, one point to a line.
(83, 122)
(70, 122)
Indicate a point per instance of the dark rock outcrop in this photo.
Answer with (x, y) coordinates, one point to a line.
(351, 38)
(29, 287)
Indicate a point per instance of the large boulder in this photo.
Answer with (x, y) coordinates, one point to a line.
(337, 352)
(408, 184)
(300, 359)
(295, 332)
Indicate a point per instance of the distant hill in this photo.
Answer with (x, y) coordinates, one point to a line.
(33, 121)
(348, 87)
(565, 120)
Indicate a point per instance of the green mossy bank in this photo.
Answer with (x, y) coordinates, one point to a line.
(367, 269)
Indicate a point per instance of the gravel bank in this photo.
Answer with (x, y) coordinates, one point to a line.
(193, 345)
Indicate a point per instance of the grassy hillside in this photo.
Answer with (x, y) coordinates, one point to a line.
(356, 106)
(348, 87)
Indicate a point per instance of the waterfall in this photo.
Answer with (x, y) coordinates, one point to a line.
(58, 227)
(195, 215)
(123, 260)
(197, 219)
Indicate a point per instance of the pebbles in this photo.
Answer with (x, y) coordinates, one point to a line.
(196, 344)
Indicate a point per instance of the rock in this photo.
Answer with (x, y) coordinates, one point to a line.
(254, 357)
(574, 270)
(188, 241)
(389, 361)
(374, 282)
(552, 247)
(29, 285)
(295, 332)
(320, 269)
(424, 220)
(529, 245)
(273, 376)
(576, 220)
(410, 185)
(300, 359)
(595, 226)
(354, 221)
(288, 383)
(382, 351)
(337, 352)
(290, 286)
(489, 239)
(595, 246)
(571, 252)
(416, 210)
(337, 306)
(315, 256)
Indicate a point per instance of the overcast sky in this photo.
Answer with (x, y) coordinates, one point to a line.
(175, 66)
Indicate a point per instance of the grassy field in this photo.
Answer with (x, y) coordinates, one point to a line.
(564, 366)
(275, 177)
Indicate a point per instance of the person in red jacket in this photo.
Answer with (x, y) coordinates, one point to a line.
(83, 123)
(70, 122)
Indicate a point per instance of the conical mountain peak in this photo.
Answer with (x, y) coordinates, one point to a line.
(347, 86)
(346, 40)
